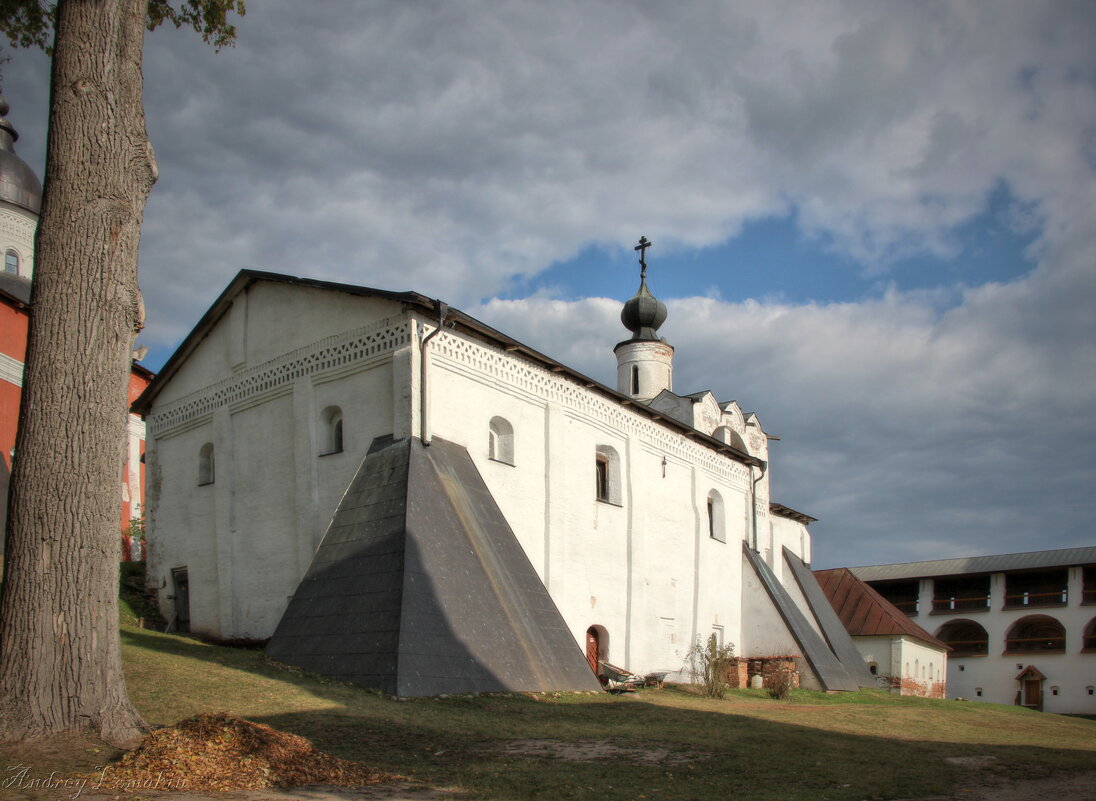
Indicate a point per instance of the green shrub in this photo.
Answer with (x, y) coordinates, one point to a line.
(710, 665)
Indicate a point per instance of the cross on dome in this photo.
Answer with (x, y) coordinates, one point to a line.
(642, 248)
(644, 313)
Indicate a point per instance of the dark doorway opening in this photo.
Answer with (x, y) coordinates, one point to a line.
(181, 582)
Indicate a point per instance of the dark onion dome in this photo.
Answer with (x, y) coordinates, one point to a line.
(643, 314)
(18, 183)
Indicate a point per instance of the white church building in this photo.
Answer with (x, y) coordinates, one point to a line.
(399, 495)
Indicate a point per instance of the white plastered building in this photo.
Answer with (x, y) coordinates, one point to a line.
(1022, 626)
(644, 516)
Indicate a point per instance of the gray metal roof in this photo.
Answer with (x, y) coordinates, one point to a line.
(16, 287)
(977, 564)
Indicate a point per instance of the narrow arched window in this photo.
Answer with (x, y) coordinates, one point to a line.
(607, 475)
(602, 467)
(635, 379)
(716, 528)
(205, 465)
(11, 262)
(500, 440)
(332, 420)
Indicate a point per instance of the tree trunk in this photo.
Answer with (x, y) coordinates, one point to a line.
(60, 660)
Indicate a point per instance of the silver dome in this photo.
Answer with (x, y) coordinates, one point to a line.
(18, 183)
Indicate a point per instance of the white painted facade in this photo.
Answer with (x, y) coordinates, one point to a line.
(656, 565)
(1070, 672)
(905, 664)
(1070, 684)
(17, 227)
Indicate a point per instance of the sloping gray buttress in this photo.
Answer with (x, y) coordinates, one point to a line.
(421, 588)
(831, 673)
(834, 631)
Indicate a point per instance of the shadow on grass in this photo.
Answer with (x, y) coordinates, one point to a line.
(467, 741)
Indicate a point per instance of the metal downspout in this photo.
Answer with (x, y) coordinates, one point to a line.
(424, 397)
(753, 504)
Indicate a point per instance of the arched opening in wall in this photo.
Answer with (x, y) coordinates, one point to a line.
(500, 440)
(607, 475)
(597, 648)
(635, 379)
(966, 638)
(731, 437)
(1035, 634)
(331, 419)
(1089, 643)
(11, 262)
(716, 519)
(206, 472)
(873, 668)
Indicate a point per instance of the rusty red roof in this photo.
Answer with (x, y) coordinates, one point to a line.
(863, 611)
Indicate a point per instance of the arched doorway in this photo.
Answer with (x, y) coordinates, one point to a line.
(597, 648)
(592, 648)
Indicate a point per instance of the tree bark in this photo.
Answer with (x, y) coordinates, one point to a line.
(60, 658)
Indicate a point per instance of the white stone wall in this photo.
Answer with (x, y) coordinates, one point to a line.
(17, 226)
(654, 361)
(1072, 672)
(647, 571)
(247, 538)
(763, 630)
(906, 664)
(131, 481)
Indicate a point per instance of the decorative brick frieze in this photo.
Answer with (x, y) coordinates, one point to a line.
(328, 355)
(476, 359)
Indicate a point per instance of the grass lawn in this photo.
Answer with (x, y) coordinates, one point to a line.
(662, 744)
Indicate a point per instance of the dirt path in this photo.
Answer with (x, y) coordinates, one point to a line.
(1076, 787)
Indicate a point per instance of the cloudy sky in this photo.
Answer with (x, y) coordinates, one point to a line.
(873, 222)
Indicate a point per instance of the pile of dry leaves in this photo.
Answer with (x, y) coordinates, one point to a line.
(218, 752)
